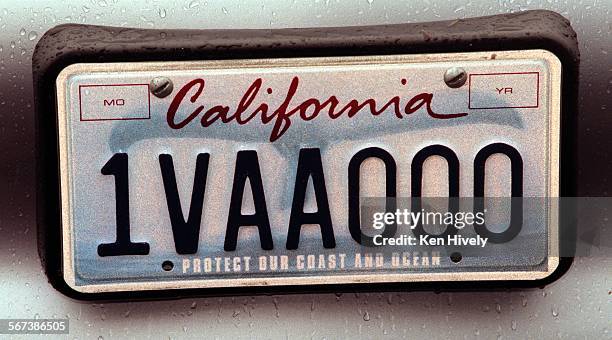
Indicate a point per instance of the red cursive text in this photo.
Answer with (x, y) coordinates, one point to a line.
(307, 110)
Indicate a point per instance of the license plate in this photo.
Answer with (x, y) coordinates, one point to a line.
(259, 172)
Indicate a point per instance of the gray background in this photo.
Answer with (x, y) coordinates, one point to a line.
(578, 305)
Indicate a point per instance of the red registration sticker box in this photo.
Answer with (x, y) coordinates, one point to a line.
(114, 102)
(519, 90)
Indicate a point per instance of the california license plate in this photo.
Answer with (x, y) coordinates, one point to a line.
(308, 171)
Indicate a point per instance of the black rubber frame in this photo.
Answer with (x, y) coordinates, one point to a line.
(69, 44)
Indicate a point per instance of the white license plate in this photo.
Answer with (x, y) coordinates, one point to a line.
(255, 172)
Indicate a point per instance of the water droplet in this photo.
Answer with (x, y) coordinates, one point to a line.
(498, 308)
(100, 337)
(366, 316)
(194, 305)
(554, 312)
(513, 325)
(224, 10)
(275, 302)
(33, 35)
(193, 4)
(162, 13)
(370, 2)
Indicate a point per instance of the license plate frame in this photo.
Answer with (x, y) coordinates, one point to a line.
(153, 289)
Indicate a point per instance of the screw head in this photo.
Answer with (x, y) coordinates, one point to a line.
(455, 77)
(161, 87)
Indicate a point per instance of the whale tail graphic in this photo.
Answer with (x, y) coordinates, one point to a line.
(322, 132)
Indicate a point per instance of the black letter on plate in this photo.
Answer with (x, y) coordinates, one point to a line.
(417, 183)
(354, 174)
(247, 167)
(186, 233)
(118, 167)
(309, 164)
(516, 203)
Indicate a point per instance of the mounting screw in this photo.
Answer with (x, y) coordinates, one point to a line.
(455, 77)
(161, 87)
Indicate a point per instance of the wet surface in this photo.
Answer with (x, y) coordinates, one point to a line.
(578, 304)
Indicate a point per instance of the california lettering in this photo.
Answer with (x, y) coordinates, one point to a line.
(252, 104)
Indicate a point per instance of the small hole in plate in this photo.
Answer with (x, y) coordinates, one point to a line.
(456, 257)
(167, 266)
